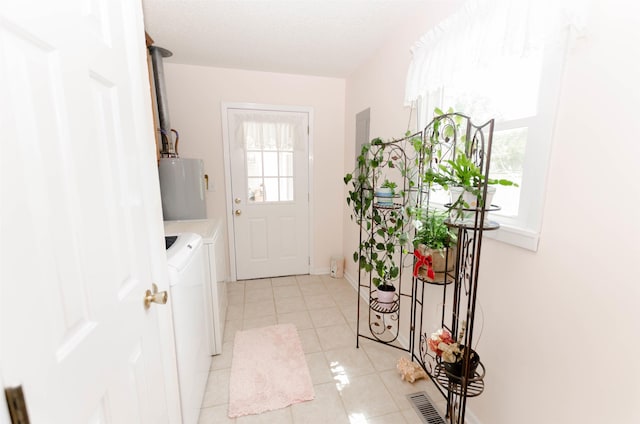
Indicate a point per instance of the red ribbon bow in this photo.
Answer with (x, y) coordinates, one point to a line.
(423, 260)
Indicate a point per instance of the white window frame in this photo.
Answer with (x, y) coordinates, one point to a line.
(524, 229)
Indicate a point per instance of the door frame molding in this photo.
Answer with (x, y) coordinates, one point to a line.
(224, 109)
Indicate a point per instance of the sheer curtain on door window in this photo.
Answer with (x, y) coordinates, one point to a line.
(270, 142)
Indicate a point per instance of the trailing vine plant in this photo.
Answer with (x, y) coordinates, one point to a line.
(385, 226)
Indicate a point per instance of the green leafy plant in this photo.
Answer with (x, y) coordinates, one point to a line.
(390, 185)
(361, 179)
(377, 252)
(385, 226)
(460, 170)
(432, 231)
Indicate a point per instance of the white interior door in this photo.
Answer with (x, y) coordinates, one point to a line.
(269, 152)
(81, 226)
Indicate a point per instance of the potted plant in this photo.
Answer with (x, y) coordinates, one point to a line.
(385, 193)
(378, 251)
(458, 173)
(464, 180)
(433, 245)
(452, 354)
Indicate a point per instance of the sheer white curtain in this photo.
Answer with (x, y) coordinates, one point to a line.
(484, 36)
(264, 131)
(270, 143)
(502, 60)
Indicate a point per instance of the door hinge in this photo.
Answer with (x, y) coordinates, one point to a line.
(17, 405)
(307, 129)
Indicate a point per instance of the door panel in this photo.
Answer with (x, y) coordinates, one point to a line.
(269, 151)
(258, 234)
(79, 199)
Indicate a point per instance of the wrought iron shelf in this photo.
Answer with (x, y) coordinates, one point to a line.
(469, 224)
(452, 135)
(453, 384)
(393, 206)
(383, 307)
(444, 282)
(383, 220)
(491, 208)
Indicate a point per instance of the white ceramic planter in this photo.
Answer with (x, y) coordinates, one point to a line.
(468, 217)
(385, 297)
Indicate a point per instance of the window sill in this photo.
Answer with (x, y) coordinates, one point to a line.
(508, 232)
(519, 237)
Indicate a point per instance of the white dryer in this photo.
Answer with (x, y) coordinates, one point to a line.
(215, 295)
(187, 267)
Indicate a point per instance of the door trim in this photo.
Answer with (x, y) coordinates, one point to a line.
(225, 106)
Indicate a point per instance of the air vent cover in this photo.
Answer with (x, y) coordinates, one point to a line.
(424, 408)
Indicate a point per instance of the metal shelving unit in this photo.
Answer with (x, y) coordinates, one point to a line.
(385, 320)
(460, 287)
(456, 291)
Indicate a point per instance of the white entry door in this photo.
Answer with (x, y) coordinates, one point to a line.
(81, 224)
(269, 152)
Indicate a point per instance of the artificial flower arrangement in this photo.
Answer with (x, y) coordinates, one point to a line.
(443, 345)
(452, 352)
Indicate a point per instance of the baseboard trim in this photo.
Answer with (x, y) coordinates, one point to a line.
(319, 271)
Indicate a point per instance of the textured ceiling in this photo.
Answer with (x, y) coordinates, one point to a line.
(313, 37)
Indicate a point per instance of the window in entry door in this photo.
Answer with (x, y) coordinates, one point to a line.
(269, 156)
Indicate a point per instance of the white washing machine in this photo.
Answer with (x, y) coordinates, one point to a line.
(187, 268)
(216, 274)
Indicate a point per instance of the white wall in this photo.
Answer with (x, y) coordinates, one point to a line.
(195, 94)
(561, 337)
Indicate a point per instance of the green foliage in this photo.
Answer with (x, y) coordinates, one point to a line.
(385, 227)
(390, 184)
(432, 231)
(461, 171)
(377, 252)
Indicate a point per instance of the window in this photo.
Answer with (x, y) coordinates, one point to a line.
(269, 156)
(515, 84)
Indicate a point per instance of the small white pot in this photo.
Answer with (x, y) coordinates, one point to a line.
(384, 192)
(386, 297)
(384, 196)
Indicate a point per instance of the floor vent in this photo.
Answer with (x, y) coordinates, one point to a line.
(425, 409)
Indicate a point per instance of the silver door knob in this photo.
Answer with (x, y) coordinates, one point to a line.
(238, 212)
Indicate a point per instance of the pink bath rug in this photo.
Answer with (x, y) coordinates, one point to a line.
(268, 371)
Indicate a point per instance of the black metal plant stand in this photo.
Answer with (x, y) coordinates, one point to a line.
(456, 290)
(385, 320)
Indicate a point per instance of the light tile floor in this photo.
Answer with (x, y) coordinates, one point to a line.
(355, 386)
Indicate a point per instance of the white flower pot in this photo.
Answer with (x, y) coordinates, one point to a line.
(460, 216)
(386, 297)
